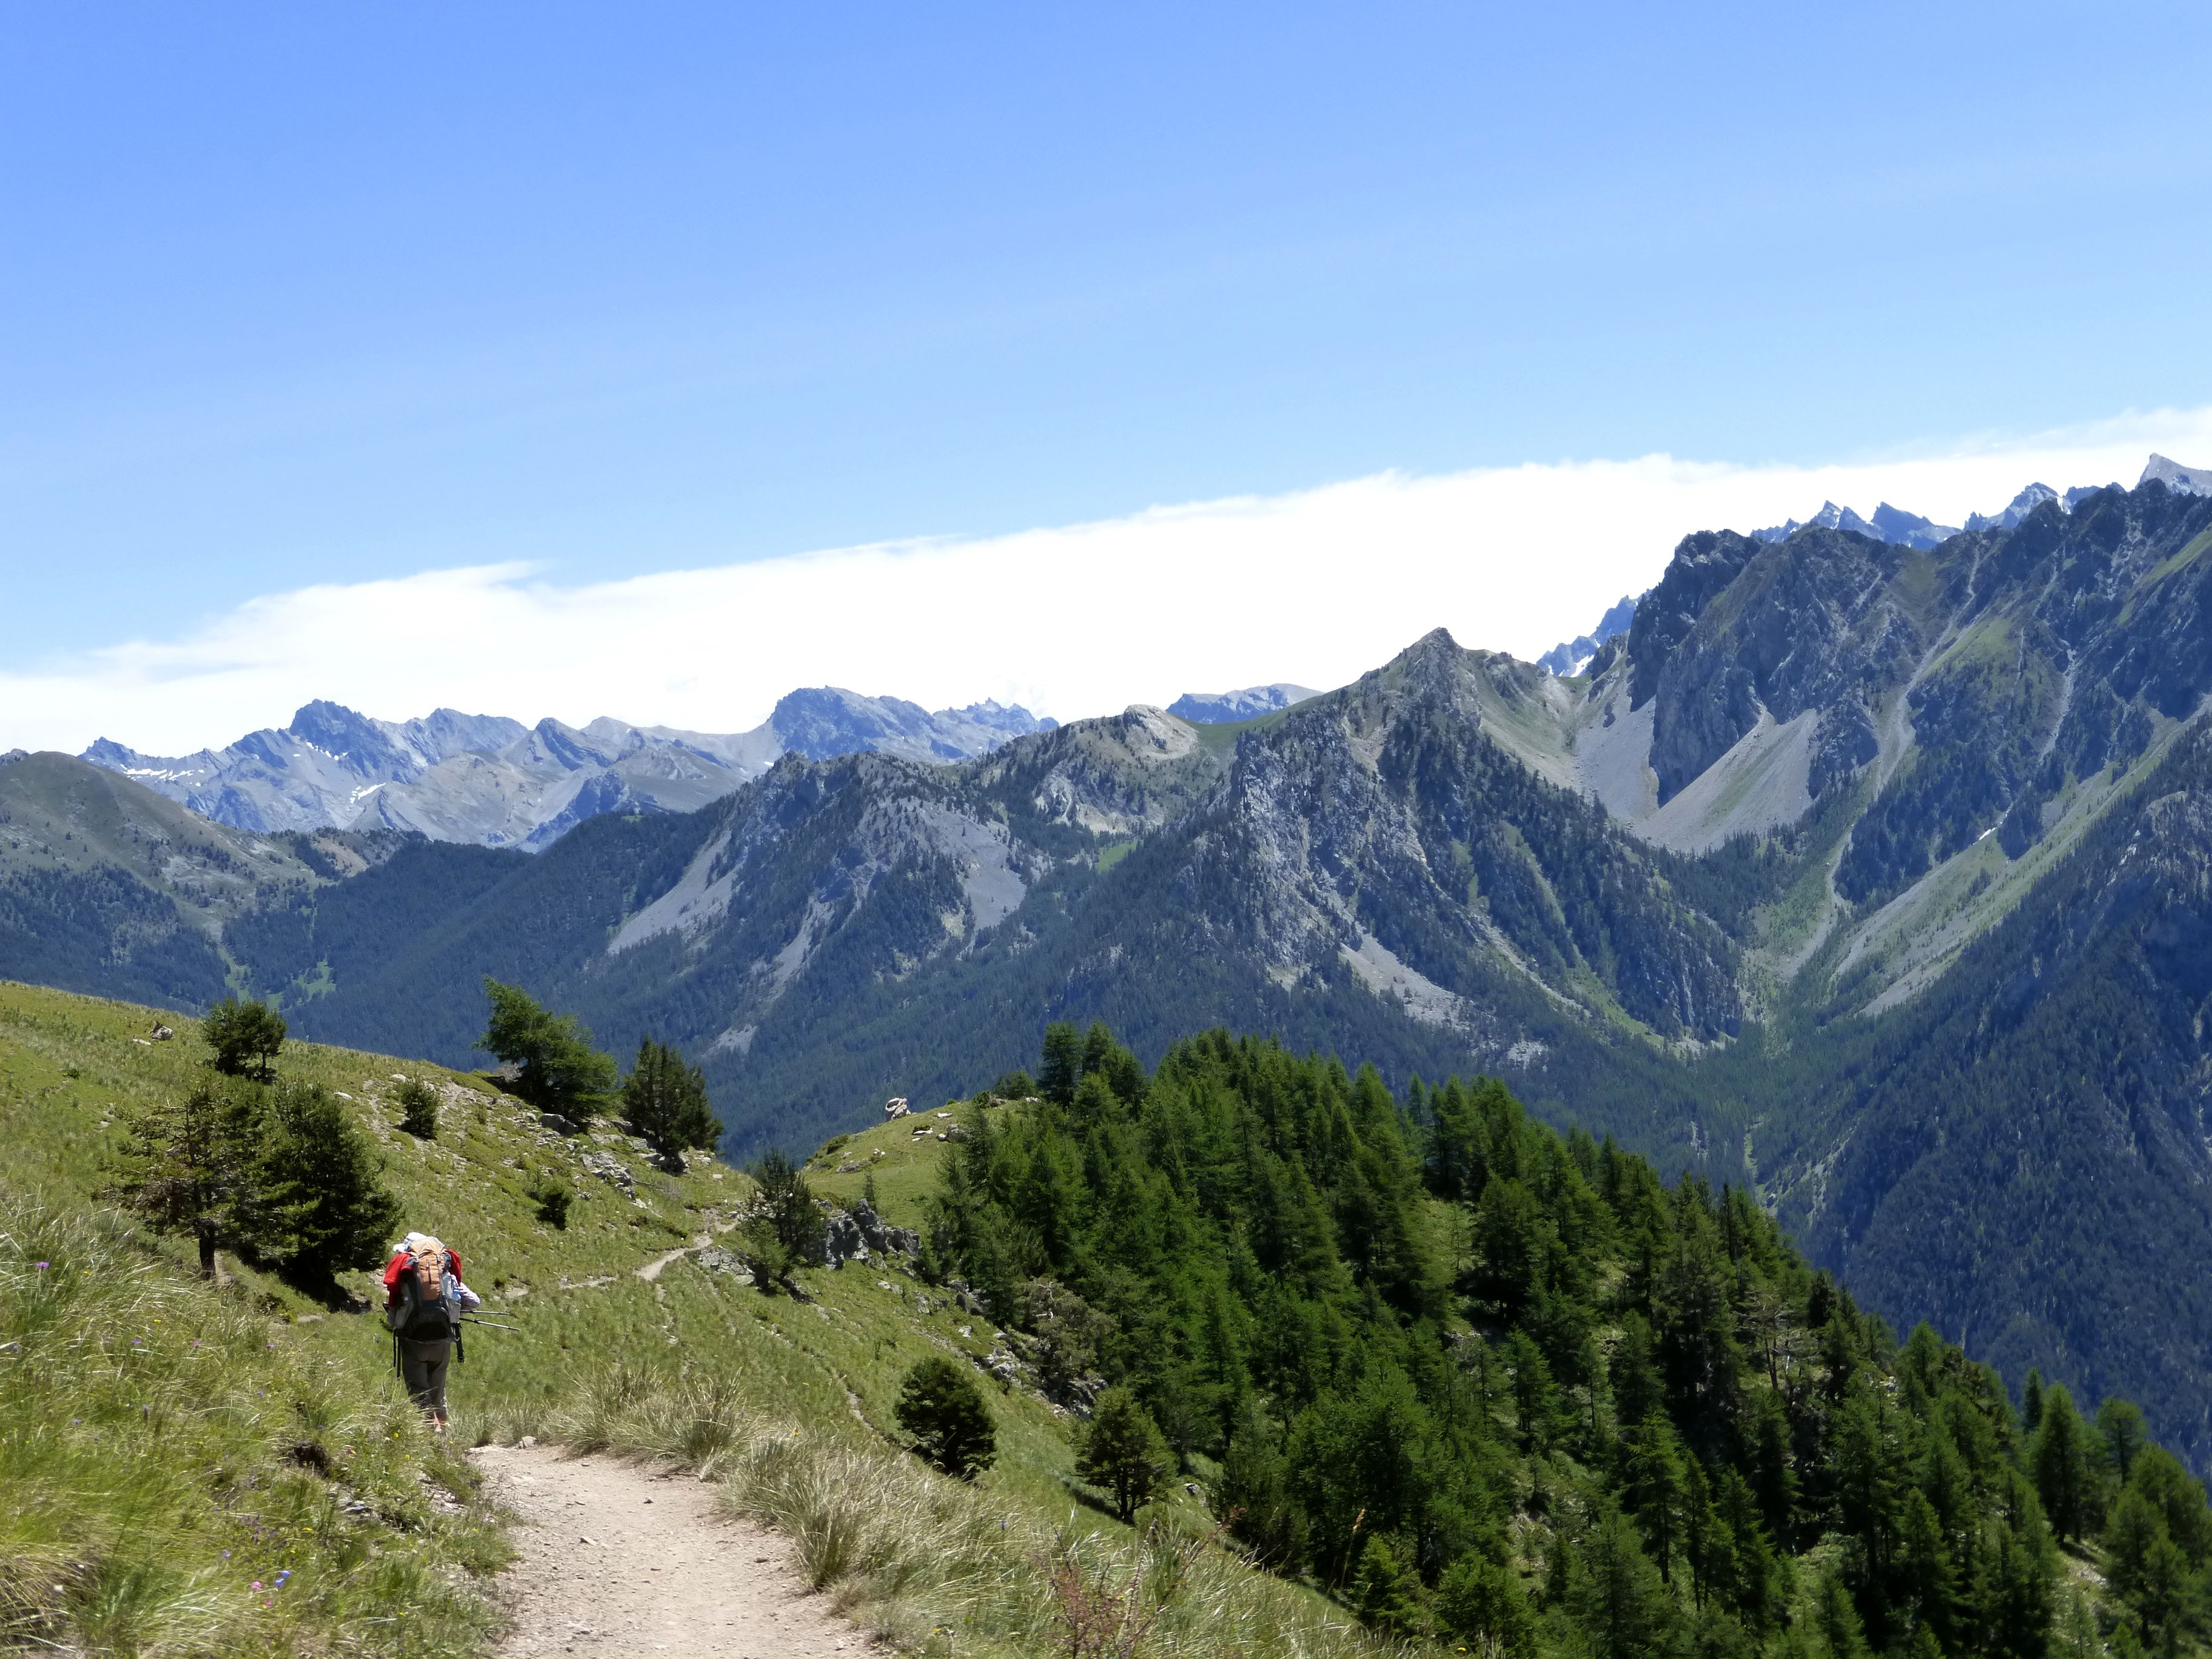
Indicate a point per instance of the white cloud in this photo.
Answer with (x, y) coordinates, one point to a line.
(1315, 587)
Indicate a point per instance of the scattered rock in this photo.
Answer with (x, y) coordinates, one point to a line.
(555, 1122)
(715, 1259)
(161, 1034)
(608, 1167)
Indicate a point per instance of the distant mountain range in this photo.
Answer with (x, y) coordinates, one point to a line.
(495, 782)
(1572, 656)
(1868, 874)
(1227, 708)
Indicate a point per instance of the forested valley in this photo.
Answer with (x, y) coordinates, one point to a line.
(1510, 1389)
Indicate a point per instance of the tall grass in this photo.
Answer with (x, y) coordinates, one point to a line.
(926, 1563)
(177, 1478)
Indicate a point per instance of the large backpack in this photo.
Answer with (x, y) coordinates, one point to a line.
(424, 1309)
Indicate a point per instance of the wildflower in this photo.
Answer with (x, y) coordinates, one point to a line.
(257, 1583)
(43, 1266)
(225, 1555)
(281, 1576)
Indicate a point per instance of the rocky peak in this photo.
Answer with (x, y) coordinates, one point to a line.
(2186, 480)
(2023, 504)
(338, 731)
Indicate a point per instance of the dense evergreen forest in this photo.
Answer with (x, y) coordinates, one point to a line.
(1509, 1387)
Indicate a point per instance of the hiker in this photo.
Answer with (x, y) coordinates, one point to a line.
(423, 1301)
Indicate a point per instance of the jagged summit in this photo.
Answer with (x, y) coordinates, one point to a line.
(486, 779)
(2189, 480)
(1570, 657)
(1891, 525)
(2021, 505)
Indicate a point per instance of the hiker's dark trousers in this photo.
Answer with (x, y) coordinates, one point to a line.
(423, 1365)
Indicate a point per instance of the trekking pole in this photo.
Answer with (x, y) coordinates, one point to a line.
(494, 1324)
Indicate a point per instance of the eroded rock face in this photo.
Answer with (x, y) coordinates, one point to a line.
(1739, 627)
(861, 1235)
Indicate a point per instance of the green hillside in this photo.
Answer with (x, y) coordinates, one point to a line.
(1427, 1371)
(167, 1448)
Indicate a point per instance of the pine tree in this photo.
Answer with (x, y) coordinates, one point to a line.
(940, 1406)
(245, 1035)
(1617, 1595)
(1657, 1490)
(2031, 1401)
(418, 1109)
(665, 1100)
(1123, 1451)
(191, 1166)
(2065, 1478)
(322, 1207)
(1384, 1591)
(1063, 1063)
(2121, 1433)
(1481, 1603)
(559, 1071)
(785, 1230)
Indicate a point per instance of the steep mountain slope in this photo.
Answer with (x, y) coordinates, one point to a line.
(1372, 863)
(2022, 1154)
(108, 887)
(488, 780)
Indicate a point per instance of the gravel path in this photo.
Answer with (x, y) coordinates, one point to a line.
(614, 1562)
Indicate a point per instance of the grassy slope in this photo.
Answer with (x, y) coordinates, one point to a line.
(787, 1401)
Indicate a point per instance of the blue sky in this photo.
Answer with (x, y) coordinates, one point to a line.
(317, 294)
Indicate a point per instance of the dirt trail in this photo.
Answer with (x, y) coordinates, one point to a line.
(614, 1562)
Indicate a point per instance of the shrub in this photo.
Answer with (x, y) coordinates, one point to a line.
(418, 1109)
(940, 1406)
(245, 1035)
(552, 1197)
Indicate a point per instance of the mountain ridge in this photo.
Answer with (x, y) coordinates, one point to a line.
(487, 779)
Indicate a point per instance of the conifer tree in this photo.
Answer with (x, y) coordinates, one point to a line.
(322, 1207)
(191, 1166)
(559, 1070)
(2122, 1434)
(1617, 1595)
(940, 1406)
(1383, 1591)
(2065, 1478)
(1481, 1603)
(1122, 1451)
(1063, 1063)
(665, 1100)
(245, 1035)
